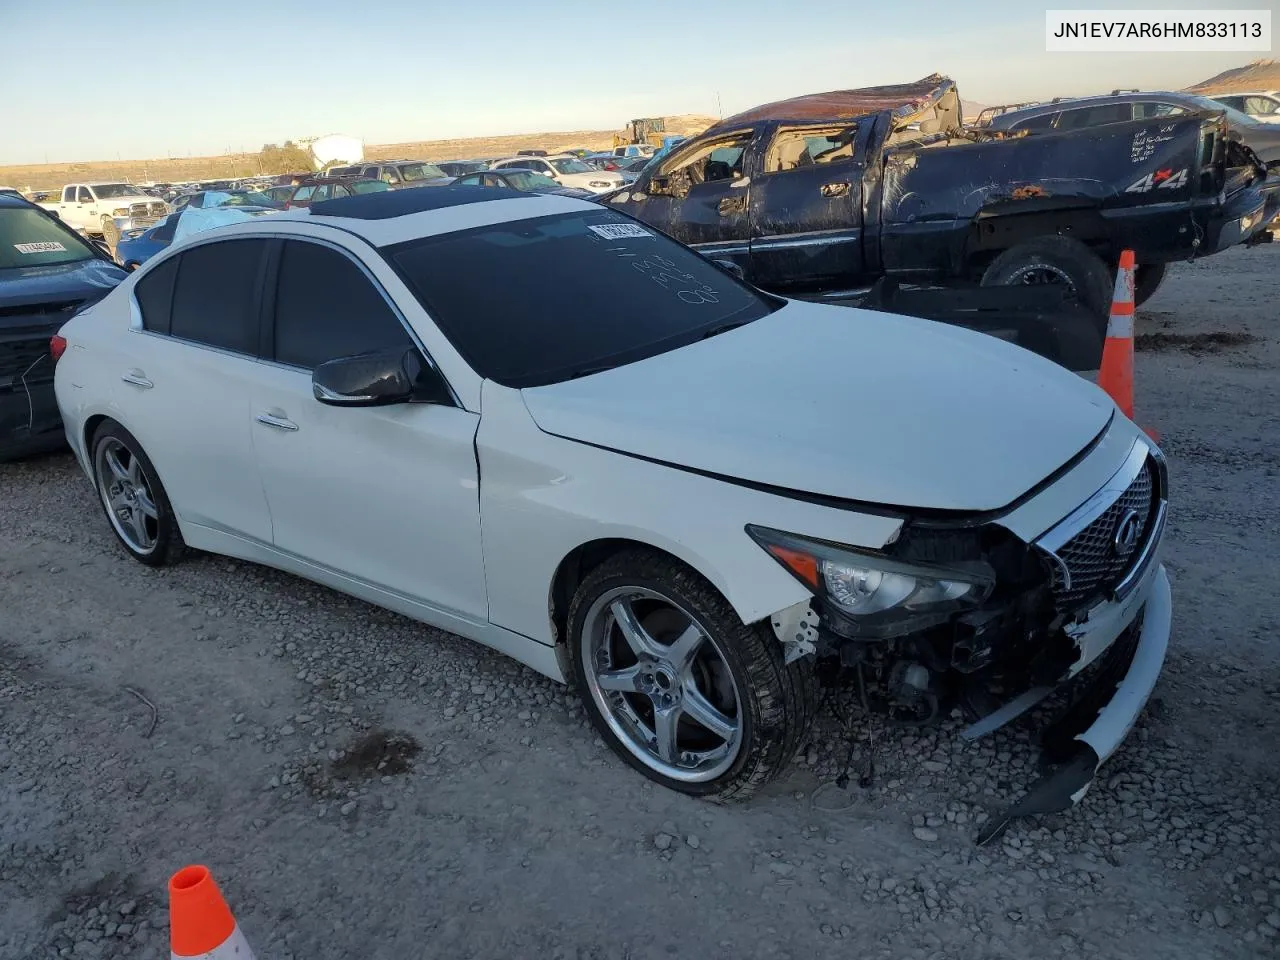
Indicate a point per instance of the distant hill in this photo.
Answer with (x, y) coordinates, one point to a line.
(1259, 75)
(969, 109)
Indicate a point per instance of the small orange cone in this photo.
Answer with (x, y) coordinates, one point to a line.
(200, 923)
(1116, 372)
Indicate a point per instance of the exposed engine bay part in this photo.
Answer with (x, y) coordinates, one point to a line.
(797, 628)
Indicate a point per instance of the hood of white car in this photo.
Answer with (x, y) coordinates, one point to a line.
(844, 403)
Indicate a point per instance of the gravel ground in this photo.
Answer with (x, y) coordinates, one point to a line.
(362, 785)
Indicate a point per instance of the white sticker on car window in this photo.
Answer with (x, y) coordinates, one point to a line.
(618, 231)
(44, 246)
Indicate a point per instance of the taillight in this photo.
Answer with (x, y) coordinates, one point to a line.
(57, 347)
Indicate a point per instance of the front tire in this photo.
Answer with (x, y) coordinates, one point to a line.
(133, 498)
(1147, 280)
(678, 686)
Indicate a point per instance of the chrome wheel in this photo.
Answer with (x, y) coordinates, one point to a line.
(127, 495)
(662, 684)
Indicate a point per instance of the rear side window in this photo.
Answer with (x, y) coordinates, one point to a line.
(215, 299)
(154, 293)
(1035, 124)
(326, 308)
(1095, 116)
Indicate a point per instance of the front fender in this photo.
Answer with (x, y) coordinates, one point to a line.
(541, 497)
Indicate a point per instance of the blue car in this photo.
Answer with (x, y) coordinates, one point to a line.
(47, 273)
(136, 247)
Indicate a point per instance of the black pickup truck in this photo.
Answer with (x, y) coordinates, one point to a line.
(830, 192)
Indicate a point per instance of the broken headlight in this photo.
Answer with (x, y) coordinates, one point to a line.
(877, 595)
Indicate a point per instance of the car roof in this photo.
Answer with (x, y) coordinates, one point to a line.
(1077, 103)
(396, 216)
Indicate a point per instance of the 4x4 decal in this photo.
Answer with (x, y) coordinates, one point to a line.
(1161, 179)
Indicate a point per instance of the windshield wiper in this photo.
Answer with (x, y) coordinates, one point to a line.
(588, 371)
(724, 328)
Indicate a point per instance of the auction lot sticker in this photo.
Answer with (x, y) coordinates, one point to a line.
(44, 246)
(618, 231)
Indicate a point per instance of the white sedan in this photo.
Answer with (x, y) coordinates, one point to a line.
(566, 170)
(544, 426)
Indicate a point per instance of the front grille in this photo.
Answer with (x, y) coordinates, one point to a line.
(157, 209)
(137, 210)
(27, 359)
(1091, 557)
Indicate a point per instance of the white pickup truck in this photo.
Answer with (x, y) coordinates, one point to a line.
(107, 209)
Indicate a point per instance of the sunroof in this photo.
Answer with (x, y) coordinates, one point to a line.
(399, 203)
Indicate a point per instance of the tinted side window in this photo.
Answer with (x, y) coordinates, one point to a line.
(154, 293)
(84, 196)
(215, 299)
(1037, 123)
(1095, 116)
(69, 195)
(327, 308)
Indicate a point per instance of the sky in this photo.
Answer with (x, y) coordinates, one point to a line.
(155, 79)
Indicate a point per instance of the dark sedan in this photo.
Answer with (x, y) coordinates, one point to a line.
(1263, 138)
(47, 273)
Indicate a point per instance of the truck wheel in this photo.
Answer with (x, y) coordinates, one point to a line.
(678, 686)
(110, 235)
(1053, 259)
(1147, 281)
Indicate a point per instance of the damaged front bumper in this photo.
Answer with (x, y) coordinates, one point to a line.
(1118, 686)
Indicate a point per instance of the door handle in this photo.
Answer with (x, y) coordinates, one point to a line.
(137, 379)
(834, 189)
(282, 423)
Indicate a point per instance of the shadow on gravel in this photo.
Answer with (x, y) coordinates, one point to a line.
(378, 753)
(1197, 343)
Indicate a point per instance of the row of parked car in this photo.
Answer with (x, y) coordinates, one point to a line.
(134, 241)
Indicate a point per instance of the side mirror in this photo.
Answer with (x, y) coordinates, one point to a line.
(378, 379)
(732, 268)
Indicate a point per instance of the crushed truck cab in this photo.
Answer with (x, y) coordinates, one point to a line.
(831, 192)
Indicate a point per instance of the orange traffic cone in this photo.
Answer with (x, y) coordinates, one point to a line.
(200, 923)
(1116, 372)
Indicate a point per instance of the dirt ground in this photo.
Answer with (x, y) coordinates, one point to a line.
(362, 785)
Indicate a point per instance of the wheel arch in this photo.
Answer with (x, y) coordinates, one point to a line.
(574, 567)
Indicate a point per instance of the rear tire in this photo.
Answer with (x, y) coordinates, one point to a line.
(737, 712)
(1058, 260)
(133, 498)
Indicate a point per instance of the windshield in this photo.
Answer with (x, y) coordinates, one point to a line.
(421, 171)
(528, 180)
(1233, 115)
(569, 165)
(367, 186)
(108, 191)
(30, 238)
(578, 292)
